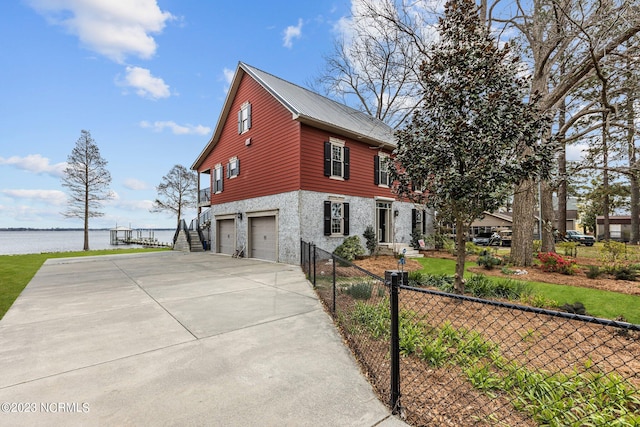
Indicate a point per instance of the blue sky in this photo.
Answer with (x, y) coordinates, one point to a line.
(147, 78)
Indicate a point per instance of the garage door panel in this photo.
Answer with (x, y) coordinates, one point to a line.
(226, 236)
(264, 238)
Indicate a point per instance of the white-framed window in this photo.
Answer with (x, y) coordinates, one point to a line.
(217, 178)
(336, 159)
(336, 218)
(381, 170)
(244, 118)
(233, 167)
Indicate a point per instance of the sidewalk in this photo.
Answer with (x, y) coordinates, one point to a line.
(173, 338)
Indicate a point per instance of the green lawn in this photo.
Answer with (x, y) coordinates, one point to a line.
(17, 270)
(605, 304)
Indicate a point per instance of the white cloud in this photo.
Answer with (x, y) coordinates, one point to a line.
(135, 184)
(292, 32)
(146, 85)
(52, 197)
(35, 163)
(113, 28)
(188, 129)
(576, 152)
(228, 75)
(134, 205)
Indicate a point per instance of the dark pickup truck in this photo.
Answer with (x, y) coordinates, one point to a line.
(574, 236)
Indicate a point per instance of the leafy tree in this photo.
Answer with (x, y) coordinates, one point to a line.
(473, 137)
(87, 179)
(177, 192)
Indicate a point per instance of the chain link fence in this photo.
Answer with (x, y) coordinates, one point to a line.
(466, 361)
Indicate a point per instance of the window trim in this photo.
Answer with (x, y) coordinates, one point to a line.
(244, 124)
(328, 218)
(380, 167)
(329, 162)
(218, 183)
(233, 172)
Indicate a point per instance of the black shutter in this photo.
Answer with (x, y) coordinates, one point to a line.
(424, 221)
(345, 218)
(327, 159)
(229, 170)
(240, 121)
(237, 166)
(413, 220)
(327, 218)
(345, 158)
(249, 116)
(376, 170)
(221, 178)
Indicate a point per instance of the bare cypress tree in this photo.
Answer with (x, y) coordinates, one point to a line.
(87, 178)
(176, 192)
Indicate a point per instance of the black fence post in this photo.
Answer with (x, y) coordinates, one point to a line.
(314, 265)
(395, 343)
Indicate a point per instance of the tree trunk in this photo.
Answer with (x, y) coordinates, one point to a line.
(86, 219)
(634, 237)
(605, 176)
(562, 172)
(461, 231)
(523, 220)
(548, 218)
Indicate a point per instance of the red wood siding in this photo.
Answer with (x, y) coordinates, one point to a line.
(361, 181)
(271, 164)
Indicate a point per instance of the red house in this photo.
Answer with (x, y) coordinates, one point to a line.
(286, 164)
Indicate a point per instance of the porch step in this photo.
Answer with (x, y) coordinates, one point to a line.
(398, 248)
(196, 244)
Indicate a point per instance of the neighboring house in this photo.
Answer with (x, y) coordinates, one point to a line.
(619, 227)
(286, 164)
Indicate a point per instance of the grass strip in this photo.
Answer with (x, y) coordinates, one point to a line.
(599, 303)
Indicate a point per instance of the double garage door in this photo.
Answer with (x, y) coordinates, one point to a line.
(263, 237)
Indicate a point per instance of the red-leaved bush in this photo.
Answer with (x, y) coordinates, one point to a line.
(554, 263)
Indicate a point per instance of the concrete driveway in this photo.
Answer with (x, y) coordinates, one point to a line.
(173, 338)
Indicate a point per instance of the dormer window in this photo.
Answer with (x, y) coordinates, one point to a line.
(244, 118)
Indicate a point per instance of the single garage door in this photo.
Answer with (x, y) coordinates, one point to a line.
(264, 238)
(226, 236)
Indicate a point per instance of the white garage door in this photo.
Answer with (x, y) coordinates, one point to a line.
(264, 238)
(226, 236)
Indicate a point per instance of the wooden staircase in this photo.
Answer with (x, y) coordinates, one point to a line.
(196, 244)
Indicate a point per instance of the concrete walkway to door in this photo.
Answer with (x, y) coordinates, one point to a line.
(173, 338)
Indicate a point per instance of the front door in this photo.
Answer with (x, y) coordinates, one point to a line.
(383, 221)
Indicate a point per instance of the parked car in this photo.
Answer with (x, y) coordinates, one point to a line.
(576, 236)
(486, 239)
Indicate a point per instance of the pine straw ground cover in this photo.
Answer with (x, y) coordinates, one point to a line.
(455, 389)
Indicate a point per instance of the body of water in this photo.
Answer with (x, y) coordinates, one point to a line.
(33, 242)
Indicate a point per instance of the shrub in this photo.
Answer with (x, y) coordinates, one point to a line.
(473, 249)
(489, 261)
(442, 282)
(416, 236)
(415, 278)
(350, 248)
(482, 286)
(370, 239)
(537, 245)
(449, 246)
(576, 308)
(569, 248)
(624, 273)
(611, 252)
(593, 272)
(360, 290)
(553, 263)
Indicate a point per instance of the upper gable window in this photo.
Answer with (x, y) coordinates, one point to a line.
(381, 170)
(336, 159)
(244, 118)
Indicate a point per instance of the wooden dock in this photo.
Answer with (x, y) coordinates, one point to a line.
(124, 236)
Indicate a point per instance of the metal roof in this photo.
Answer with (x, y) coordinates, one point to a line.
(307, 107)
